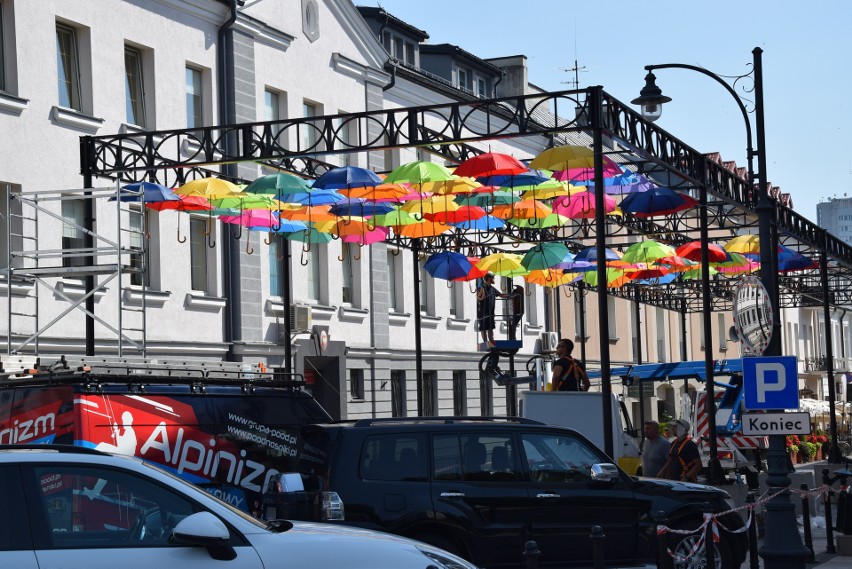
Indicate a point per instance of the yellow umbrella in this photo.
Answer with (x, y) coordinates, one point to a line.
(210, 188)
(506, 264)
(744, 244)
(563, 158)
(455, 185)
(549, 189)
(345, 226)
(432, 204)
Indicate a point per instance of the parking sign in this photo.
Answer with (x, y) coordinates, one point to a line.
(771, 383)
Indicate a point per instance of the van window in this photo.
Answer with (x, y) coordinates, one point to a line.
(395, 457)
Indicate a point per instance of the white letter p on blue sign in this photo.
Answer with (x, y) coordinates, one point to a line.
(765, 373)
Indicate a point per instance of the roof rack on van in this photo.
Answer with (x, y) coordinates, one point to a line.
(54, 447)
(21, 369)
(446, 420)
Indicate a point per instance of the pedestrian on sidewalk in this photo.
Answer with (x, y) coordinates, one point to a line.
(655, 449)
(684, 460)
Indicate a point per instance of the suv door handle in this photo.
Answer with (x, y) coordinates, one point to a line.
(548, 496)
(452, 494)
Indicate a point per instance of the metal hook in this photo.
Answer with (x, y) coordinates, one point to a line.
(567, 292)
(209, 226)
(268, 240)
(471, 286)
(249, 250)
(358, 256)
(210, 242)
(302, 257)
(179, 238)
(239, 234)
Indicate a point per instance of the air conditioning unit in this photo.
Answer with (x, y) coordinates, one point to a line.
(548, 342)
(300, 318)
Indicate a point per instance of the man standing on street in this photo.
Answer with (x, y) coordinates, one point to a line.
(684, 460)
(655, 450)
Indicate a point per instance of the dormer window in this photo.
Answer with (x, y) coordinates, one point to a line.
(463, 78)
(409, 53)
(481, 88)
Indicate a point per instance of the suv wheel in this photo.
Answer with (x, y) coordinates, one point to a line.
(682, 545)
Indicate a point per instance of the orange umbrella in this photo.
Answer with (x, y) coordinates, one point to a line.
(344, 227)
(309, 213)
(524, 209)
(422, 229)
(380, 192)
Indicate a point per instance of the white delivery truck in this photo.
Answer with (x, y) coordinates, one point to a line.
(583, 412)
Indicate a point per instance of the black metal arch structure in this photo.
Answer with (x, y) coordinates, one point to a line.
(172, 157)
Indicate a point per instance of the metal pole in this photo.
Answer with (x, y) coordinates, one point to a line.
(714, 467)
(637, 313)
(834, 452)
(581, 299)
(418, 347)
(596, 104)
(683, 351)
(88, 158)
(782, 548)
(806, 524)
(288, 302)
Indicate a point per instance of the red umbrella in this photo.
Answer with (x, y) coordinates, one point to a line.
(183, 203)
(464, 213)
(692, 251)
(475, 272)
(490, 164)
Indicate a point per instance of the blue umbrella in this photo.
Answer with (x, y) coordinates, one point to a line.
(665, 279)
(150, 192)
(590, 255)
(656, 201)
(790, 260)
(486, 223)
(626, 183)
(531, 178)
(347, 177)
(448, 265)
(282, 226)
(361, 207)
(315, 197)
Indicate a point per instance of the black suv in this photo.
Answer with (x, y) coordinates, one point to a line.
(483, 487)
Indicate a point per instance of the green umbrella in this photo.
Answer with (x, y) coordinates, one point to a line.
(418, 172)
(310, 236)
(278, 184)
(647, 251)
(395, 217)
(695, 274)
(544, 256)
(552, 220)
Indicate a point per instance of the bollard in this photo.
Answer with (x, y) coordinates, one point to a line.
(597, 536)
(753, 559)
(806, 521)
(829, 526)
(709, 544)
(531, 554)
(665, 560)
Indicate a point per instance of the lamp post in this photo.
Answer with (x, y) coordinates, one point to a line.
(782, 548)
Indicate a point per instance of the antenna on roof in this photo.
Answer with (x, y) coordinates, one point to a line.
(575, 83)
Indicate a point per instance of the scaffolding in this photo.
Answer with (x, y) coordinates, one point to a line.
(115, 263)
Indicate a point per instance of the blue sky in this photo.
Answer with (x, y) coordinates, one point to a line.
(806, 68)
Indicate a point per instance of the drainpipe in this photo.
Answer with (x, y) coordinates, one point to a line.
(225, 90)
(500, 80)
(393, 77)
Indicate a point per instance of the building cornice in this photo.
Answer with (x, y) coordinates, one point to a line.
(212, 12)
(263, 33)
(359, 32)
(346, 66)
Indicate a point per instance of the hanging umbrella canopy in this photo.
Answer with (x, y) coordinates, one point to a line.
(656, 201)
(345, 226)
(396, 217)
(432, 204)
(692, 251)
(552, 220)
(463, 213)
(505, 264)
(674, 263)
(626, 183)
(448, 265)
(377, 193)
(315, 197)
(548, 190)
(308, 213)
(360, 208)
(646, 272)
(695, 274)
(243, 201)
(524, 209)
(544, 256)
(347, 177)
(646, 251)
(277, 185)
(528, 178)
(581, 205)
(418, 172)
(210, 188)
(485, 223)
(311, 235)
(475, 272)
(252, 218)
(564, 157)
(590, 254)
(147, 192)
(790, 260)
(615, 278)
(282, 226)
(550, 277)
(421, 229)
(738, 264)
(665, 279)
(455, 185)
(184, 203)
(744, 244)
(490, 164)
(374, 235)
(488, 199)
(587, 173)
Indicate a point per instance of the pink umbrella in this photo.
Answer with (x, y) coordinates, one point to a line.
(579, 174)
(252, 218)
(581, 205)
(368, 238)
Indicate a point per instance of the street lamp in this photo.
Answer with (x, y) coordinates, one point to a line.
(783, 546)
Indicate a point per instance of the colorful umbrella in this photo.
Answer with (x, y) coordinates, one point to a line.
(277, 184)
(626, 183)
(376, 193)
(590, 254)
(210, 188)
(615, 278)
(360, 208)
(308, 213)
(455, 185)
(744, 244)
(564, 157)
(463, 213)
(552, 220)
(347, 177)
(252, 218)
(149, 192)
(488, 199)
(656, 201)
(486, 223)
(581, 205)
(544, 256)
(374, 235)
(315, 197)
(547, 190)
(528, 178)
(646, 251)
(448, 265)
(790, 260)
(432, 204)
(737, 265)
(184, 203)
(421, 229)
(506, 264)
(524, 209)
(345, 226)
(490, 164)
(550, 277)
(587, 173)
(695, 274)
(692, 251)
(396, 217)
(475, 272)
(418, 172)
(310, 236)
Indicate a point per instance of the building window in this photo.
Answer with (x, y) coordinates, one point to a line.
(271, 106)
(198, 256)
(397, 49)
(409, 53)
(397, 393)
(351, 274)
(480, 83)
(68, 68)
(427, 306)
(531, 304)
(356, 383)
(276, 257)
(459, 393)
(72, 233)
(134, 88)
(194, 99)
(139, 259)
(661, 335)
(386, 41)
(430, 393)
(316, 271)
(394, 272)
(456, 302)
(309, 128)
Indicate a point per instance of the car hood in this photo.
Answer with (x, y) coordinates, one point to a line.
(680, 486)
(323, 546)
